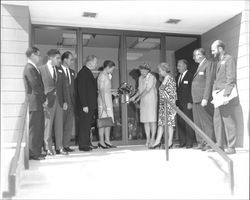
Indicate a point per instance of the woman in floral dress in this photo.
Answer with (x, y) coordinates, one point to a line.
(166, 90)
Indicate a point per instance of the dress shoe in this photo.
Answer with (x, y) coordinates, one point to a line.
(85, 149)
(61, 151)
(171, 146)
(102, 146)
(181, 145)
(189, 146)
(230, 151)
(93, 146)
(199, 146)
(68, 149)
(206, 148)
(212, 150)
(36, 158)
(156, 146)
(50, 153)
(110, 145)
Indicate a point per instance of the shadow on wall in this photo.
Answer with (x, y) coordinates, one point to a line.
(20, 14)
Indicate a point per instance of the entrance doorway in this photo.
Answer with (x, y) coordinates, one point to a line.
(127, 49)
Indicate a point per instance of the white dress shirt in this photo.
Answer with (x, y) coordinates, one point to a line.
(65, 69)
(181, 77)
(50, 69)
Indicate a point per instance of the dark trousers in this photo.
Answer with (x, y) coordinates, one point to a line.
(84, 126)
(204, 121)
(185, 132)
(36, 132)
(68, 126)
(225, 124)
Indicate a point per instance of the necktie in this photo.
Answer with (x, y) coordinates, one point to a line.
(54, 73)
(179, 81)
(68, 76)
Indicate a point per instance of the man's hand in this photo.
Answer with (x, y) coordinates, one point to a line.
(65, 106)
(189, 106)
(85, 109)
(204, 102)
(45, 104)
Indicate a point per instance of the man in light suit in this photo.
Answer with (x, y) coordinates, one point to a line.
(68, 114)
(201, 95)
(224, 115)
(184, 102)
(86, 91)
(55, 90)
(35, 92)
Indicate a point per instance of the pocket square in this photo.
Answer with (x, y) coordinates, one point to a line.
(60, 71)
(185, 82)
(201, 73)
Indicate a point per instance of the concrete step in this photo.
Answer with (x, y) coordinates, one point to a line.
(135, 173)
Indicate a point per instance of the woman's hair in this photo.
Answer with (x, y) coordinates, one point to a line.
(145, 66)
(108, 63)
(31, 50)
(165, 67)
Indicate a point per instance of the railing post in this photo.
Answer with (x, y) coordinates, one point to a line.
(231, 176)
(26, 138)
(166, 134)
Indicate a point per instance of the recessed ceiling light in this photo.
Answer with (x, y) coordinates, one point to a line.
(89, 14)
(173, 21)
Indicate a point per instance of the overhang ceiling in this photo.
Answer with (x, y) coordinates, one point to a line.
(197, 17)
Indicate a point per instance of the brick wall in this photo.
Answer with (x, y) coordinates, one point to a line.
(235, 34)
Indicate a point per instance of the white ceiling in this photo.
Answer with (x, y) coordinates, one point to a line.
(197, 17)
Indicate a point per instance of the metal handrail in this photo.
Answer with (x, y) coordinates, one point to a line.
(14, 161)
(201, 134)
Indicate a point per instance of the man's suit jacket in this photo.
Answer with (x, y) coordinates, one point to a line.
(184, 90)
(86, 89)
(34, 87)
(70, 87)
(53, 88)
(202, 82)
(225, 75)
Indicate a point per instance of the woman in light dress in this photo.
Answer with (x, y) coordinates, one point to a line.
(105, 106)
(166, 90)
(147, 95)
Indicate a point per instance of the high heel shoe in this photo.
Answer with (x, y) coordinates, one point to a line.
(170, 147)
(156, 146)
(101, 146)
(110, 145)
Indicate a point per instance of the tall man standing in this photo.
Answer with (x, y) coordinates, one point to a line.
(68, 114)
(201, 94)
(184, 102)
(35, 92)
(55, 90)
(86, 90)
(224, 115)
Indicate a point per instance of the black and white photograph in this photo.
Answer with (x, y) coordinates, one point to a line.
(125, 99)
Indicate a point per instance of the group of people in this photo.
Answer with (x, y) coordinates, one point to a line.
(192, 93)
(55, 97)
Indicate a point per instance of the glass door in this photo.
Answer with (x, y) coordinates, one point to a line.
(140, 50)
(105, 47)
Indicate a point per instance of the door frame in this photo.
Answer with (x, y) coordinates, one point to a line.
(121, 58)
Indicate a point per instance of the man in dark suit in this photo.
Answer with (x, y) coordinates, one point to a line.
(201, 94)
(224, 115)
(184, 102)
(86, 91)
(55, 90)
(68, 114)
(35, 93)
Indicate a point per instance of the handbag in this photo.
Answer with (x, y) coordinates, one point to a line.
(105, 121)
